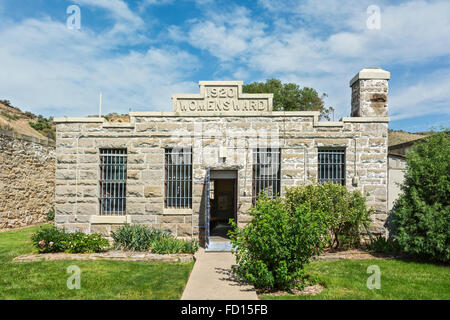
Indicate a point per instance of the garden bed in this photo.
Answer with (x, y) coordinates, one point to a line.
(108, 255)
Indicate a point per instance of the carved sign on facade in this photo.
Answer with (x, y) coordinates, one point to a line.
(221, 97)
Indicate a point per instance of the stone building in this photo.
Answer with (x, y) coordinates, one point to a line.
(188, 171)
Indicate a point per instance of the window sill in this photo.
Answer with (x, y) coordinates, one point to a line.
(169, 211)
(111, 219)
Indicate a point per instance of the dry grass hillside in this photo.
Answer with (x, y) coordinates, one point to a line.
(116, 118)
(400, 136)
(26, 123)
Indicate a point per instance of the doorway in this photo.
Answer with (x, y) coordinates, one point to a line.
(223, 204)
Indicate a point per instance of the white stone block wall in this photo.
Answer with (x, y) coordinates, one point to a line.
(299, 137)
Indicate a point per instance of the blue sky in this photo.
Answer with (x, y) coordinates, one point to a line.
(140, 52)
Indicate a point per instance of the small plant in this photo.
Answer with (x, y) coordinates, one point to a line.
(6, 103)
(141, 238)
(168, 244)
(51, 239)
(386, 246)
(29, 115)
(9, 116)
(134, 237)
(51, 214)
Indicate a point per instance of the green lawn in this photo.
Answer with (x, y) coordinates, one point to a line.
(99, 279)
(346, 279)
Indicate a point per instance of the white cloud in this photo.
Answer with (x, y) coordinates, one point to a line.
(118, 8)
(226, 34)
(321, 44)
(47, 68)
(417, 99)
(324, 43)
(126, 22)
(144, 4)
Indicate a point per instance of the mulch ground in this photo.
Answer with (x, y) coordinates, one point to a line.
(309, 290)
(352, 254)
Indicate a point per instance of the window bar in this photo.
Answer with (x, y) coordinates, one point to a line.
(171, 179)
(178, 178)
(166, 179)
(331, 165)
(266, 172)
(115, 184)
(112, 181)
(101, 186)
(108, 184)
(184, 184)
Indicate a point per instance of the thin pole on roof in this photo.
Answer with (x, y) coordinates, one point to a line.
(100, 105)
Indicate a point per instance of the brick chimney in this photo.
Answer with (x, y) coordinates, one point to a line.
(370, 93)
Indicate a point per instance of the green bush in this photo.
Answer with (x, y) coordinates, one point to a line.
(273, 248)
(51, 239)
(80, 242)
(422, 212)
(141, 238)
(44, 126)
(345, 211)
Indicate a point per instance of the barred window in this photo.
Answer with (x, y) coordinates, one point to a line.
(332, 165)
(113, 181)
(178, 182)
(266, 172)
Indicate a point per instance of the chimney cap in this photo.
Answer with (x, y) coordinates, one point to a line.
(371, 74)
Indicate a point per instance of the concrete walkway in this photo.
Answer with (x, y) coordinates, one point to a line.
(212, 279)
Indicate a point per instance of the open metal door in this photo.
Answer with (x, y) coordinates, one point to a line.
(207, 206)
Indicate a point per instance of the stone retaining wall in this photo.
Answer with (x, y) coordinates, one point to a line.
(109, 255)
(27, 169)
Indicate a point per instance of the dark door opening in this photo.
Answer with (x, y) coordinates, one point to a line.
(223, 207)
